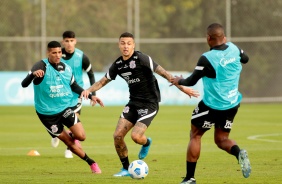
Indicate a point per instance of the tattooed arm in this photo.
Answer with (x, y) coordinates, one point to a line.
(99, 84)
(189, 91)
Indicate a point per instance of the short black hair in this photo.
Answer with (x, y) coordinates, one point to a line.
(53, 44)
(126, 34)
(68, 34)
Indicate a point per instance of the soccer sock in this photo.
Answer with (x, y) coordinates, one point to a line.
(190, 169)
(88, 160)
(235, 151)
(125, 162)
(147, 143)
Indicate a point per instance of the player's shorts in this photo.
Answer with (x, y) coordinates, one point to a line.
(144, 112)
(54, 124)
(77, 107)
(204, 117)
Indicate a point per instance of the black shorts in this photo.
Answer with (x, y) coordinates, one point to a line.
(144, 112)
(54, 124)
(204, 117)
(77, 107)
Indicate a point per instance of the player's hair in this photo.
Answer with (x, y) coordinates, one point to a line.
(68, 34)
(53, 44)
(126, 35)
(215, 31)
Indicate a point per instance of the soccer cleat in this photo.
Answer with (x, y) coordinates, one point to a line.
(145, 150)
(55, 142)
(95, 168)
(190, 181)
(244, 163)
(123, 172)
(68, 153)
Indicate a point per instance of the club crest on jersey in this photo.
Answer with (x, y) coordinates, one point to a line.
(132, 64)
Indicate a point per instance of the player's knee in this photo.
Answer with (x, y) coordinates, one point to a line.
(135, 138)
(80, 137)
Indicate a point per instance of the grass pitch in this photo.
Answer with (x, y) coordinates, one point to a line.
(257, 128)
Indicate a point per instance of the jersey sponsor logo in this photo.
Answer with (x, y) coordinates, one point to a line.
(55, 91)
(119, 61)
(228, 124)
(126, 74)
(135, 57)
(223, 61)
(142, 112)
(232, 93)
(131, 81)
(207, 124)
(54, 128)
(125, 109)
(132, 64)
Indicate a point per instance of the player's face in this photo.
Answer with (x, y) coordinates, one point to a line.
(126, 47)
(69, 44)
(54, 55)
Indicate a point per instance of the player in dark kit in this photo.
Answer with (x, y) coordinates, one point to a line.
(137, 70)
(54, 84)
(220, 70)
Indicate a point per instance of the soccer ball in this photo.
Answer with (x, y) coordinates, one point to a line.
(138, 169)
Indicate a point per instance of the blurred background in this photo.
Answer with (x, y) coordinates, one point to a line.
(172, 32)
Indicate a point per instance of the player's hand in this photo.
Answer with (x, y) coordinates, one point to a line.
(190, 91)
(85, 94)
(38, 73)
(174, 80)
(95, 99)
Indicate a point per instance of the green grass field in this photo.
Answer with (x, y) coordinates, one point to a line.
(21, 131)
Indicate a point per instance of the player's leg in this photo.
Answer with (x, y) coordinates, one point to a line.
(70, 120)
(200, 123)
(121, 130)
(221, 138)
(146, 112)
(77, 110)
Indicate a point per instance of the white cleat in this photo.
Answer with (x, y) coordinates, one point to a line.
(55, 142)
(68, 154)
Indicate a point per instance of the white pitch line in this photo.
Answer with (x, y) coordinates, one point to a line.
(260, 137)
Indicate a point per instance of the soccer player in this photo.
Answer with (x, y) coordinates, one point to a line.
(137, 70)
(54, 84)
(220, 70)
(79, 62)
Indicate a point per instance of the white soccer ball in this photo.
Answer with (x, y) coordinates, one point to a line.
(138, 169)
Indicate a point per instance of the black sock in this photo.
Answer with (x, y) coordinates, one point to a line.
(147, 143)
(190, 169)
(235, 151)
(88, 160)
(125, 162)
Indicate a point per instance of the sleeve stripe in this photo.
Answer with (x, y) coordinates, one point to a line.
(151, 64)
(88, 69)
(72, 79)
(108, 76)
(199, 68)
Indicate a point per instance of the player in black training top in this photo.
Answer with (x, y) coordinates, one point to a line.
(137, 70)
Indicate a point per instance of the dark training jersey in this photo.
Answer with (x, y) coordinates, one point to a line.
(137, 71)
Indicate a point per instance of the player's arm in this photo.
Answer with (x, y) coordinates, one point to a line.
(36, 74)
(203, 68)
(189, 91)
(86, 65)
(84, 93)
(99, 84)
(244, 56)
